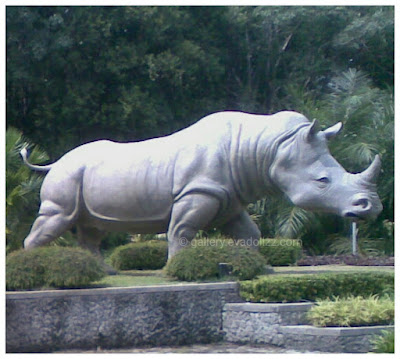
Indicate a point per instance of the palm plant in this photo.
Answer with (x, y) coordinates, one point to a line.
(22, 189)
(368, 117)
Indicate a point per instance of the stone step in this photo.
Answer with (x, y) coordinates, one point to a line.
(286, 325)
(259, 322)
(331, 339)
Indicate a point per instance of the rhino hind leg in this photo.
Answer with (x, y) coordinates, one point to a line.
(190, 214)
(90, 238)
(50, 224)
(243, 228)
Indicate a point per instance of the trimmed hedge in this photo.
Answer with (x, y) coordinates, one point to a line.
(200, 261)
(310, 287)
(280, 251)
(58, 267)
(151, 254)
(352, 312)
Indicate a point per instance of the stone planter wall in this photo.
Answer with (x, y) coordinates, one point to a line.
(46, 321)
(171, 315)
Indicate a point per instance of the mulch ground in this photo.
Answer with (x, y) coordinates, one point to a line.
(345, 259)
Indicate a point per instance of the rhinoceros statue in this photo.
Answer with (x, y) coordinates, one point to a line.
(200, 177)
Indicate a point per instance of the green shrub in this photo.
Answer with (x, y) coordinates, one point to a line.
(113, 240)
(151, 254)
(280, 251)
(200, 260)
(310, 287)
(352, 312)
(59, 267)
(384, 343)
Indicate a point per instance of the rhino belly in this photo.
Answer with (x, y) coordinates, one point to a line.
(136, 193)
(134, 227)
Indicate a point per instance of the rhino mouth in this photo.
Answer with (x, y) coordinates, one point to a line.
(351, 215)
(355, 217)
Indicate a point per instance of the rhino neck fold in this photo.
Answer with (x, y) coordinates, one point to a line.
(252, 155)
(246, 168)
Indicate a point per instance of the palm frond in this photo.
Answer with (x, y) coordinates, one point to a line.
(359, 154)
(366, 246)
(293, 221)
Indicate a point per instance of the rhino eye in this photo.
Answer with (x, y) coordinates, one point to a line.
(323, 180)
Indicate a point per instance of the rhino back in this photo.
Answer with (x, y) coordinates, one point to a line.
(139, 182)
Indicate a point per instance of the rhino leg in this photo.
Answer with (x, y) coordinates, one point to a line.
(51, 223)
(90, 238)
(190, 214)
(242, 227)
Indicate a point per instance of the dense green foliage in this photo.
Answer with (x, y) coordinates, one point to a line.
(280, 252)
(352, 312)
(77, 74)
(384, 343)
(114, 239)
(151, 254)
(22, 189)
(295, 288)
(58, 267)
(200, 261)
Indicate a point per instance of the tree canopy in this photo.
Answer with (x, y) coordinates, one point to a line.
(77, 73)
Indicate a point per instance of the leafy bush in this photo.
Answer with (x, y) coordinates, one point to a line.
(280, 252)
(300, 287)
(142, 255)
(200, 261)
(58, 267)
(352, 312)
(384, 343)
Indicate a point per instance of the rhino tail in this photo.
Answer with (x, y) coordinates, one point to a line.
(24, 155)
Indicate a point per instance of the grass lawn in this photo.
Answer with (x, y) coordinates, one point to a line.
(134, 278)
(123, 280)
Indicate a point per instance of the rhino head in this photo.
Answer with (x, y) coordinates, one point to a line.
(307, 173)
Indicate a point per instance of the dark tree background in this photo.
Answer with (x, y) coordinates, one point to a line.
(78, 74)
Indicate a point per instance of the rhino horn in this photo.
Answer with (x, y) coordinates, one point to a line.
(371, 173)
(331, 132)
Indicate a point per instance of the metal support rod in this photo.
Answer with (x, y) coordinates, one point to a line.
(354, 232)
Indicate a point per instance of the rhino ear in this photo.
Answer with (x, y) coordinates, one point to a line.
(331, 132)
(312, 130)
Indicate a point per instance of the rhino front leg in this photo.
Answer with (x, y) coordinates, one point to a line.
(189, 215)
(243, 228)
